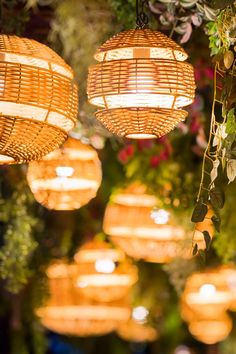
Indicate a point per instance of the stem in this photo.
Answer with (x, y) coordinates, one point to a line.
(205, 156)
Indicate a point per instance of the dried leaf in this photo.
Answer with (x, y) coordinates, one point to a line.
(228, 59)
(214, 171)
(199, 212)
(231, 170)
(207, 239)
(217, 198)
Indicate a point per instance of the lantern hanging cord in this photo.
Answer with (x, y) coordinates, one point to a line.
(142, 18)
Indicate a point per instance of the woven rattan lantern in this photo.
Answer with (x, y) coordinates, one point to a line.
(131, 224)
(133, 331)
(103, 272)
(67, 178)
(211, 331)
(141, 82)
(38, 100)
(68, 312)
(207, 293)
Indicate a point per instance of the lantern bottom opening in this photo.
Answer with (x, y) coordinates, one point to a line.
(141, 136)
(23, 140)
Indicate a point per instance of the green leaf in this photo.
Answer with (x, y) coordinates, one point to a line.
(216, 222)
(199, 212)
(230, 124)
(195, 249)
(207, 239)
(217, 198)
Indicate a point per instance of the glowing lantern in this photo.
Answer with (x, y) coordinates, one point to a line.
(68, 312)
(38, 100)
(137, 332)
(103, 272)
(229, 274)
(207, 293)
(211, 331)
(141, 82)
(139, 230)
(67, 178)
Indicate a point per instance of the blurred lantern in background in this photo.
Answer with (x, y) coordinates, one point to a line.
(133, 331)
(141, 82)
(142, 231)
(211, 331)
(67, 178)
(204, 303)
(38, 100)
(207, 293)
(67, 312)
(103, 272)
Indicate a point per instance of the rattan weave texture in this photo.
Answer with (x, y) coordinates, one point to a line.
(141, 82)
(36, 87)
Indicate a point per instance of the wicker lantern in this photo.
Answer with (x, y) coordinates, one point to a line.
(130, 222)
(207, 293)
(133, 331)
(67, 178)
(68, 312)
(211, 331)
(141, 82)
(103, 272)
(38, 100)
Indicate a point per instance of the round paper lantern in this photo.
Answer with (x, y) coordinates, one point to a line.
(103, 272)
(67, 178)
(207, 293)
(140, 231)
(141, 82)
(133, 331)
(68, 312)
(211, 331)
(38, 100)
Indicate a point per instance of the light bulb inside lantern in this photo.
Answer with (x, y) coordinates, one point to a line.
(64, 171)
(140, 314)
(81, 284)
(207, 290)
(105, 265)
(160, 217)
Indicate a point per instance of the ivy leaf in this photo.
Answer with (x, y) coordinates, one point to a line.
(195, 249)
(216, 222)
(230, 124)
(199, 212)
(217, 198)
(207, 239)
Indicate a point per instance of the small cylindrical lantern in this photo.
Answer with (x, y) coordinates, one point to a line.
(103, 272)
(38, 100)
(207, 293)
(133, 331)
(141, 231)
(141, 83)
(67, 312)
(67, 178)
(211, 331)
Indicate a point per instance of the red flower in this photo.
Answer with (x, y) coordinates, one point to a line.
(155, 161)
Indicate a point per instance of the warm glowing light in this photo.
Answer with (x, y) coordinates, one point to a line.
(207, 290)
(160, 216)
(141, 81)
(64, 171)
(38, 100)
(140, 314)
(105, 265)
(182, 349)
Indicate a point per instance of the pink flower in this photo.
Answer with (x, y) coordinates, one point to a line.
(144, 144)
(122, 156)
(209, 72)
(129, 150)
(195, 125)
